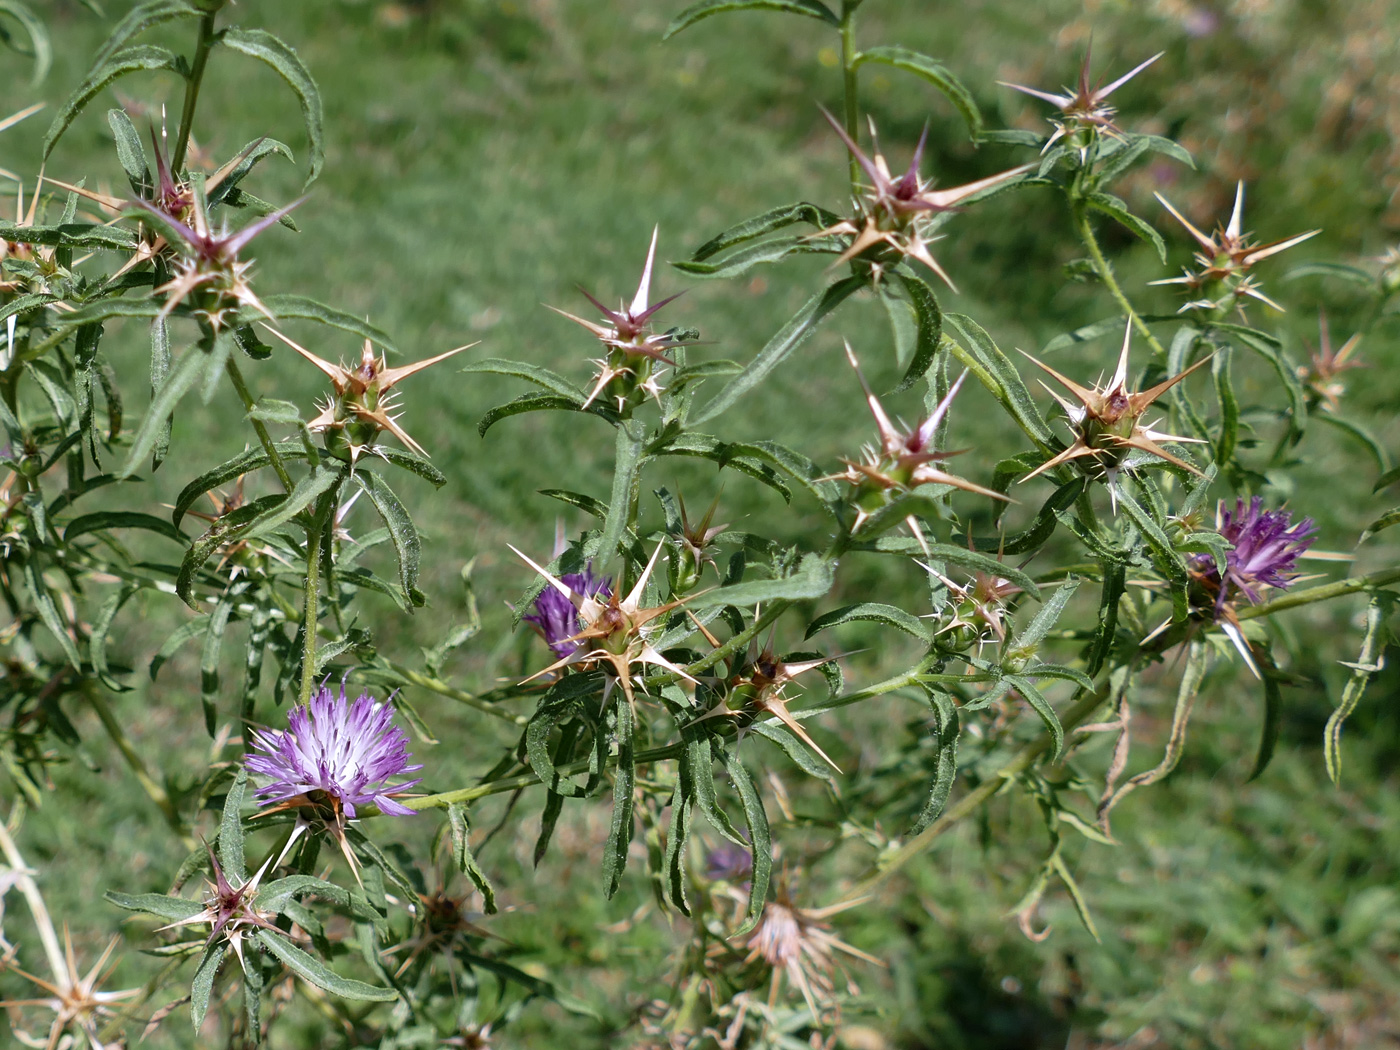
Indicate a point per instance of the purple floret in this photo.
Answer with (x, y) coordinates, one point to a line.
(555, 616)
(1267, 544)
(348, 753)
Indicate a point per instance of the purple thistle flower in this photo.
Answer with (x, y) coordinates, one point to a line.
(1267, 543)
(347, 754)
(556, 618)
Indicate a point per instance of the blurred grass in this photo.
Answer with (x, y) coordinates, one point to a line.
(485, 157)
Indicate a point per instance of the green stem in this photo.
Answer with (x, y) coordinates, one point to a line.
(235, 374)
(154, 791)
(1321, 593)
(437, 685)
(201, 59)
(850, 81)
(1105, 272)
(310, 615)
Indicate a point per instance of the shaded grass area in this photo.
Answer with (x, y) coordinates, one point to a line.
(487, 157)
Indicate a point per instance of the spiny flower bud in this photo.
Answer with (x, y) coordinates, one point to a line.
(613, 632)
(894, 215)
(1107, 422)
(1320, 377)
(1225, 259)
(360, 409)
(1085, 111)
(903, 461)
(632, 351)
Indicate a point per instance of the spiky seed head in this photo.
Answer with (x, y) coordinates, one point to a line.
(1107, 422)
(363, 405)
(893, 216)
(1222, 280)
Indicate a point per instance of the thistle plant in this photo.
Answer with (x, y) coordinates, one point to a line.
(662, 696)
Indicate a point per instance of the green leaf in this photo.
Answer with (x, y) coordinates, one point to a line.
(705, 8)
(934, 73)
(1350, 274)
(306, 492)
(624, 786)
(1385, 521)
(1115, 585)
(930, 328)
(760, 841)
(1269, 348)
(413, 463)
(202, 983)
(300, 308)
(160, 905)
(738, 263)
(551, 381)
(247, 462)
(1370, 660)
(71, 235)
(142, 58)
(1229, 406)
(402, 531)
(995, 371)
(1363, 436)
(141, 18)
(626, 481)
(466, 862)
(39, 45)
(1273, 706)
(789, 338)
(97, 635)
(48, 613)
(265, 47)
(182, 634)
(872, 612)
(1118, 211)
(946, 731)
(1087, 334)
(801, 756)
(231, 830)
(121, 519)
(812, 579)
(173, 387)
(768, 222)
(225, 529)
(541, 403)
(311, 969)
(1081, 905)
(1048, 615)
(1041, 707)
(794, 464)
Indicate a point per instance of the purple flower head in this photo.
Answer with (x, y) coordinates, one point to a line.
(556, 618)
(729, 862)
(346, 752)
(1267, 543)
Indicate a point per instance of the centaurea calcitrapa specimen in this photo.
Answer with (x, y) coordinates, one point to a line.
(613, 631)
(1085, 112)
(1320, 377)
(893, 215)
(902, 461)
(231, 911)
(755, 686)
(693, 545)
(1226, 256)
(799, 945)
(556, 618)
(78, 1004)
(361, 407)
(333, 757)
(1266, 546)
(1107, 422)
(632, 351)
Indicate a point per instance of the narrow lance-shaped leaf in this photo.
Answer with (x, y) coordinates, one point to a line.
(792, 335)
(265, 47)
(402, 531)
(760, 841)
(142, 58)
(624, 789)
(231, 829)
(705, 8)
(1367, 663)
(311, 969)
(933, 72)
(466, 861)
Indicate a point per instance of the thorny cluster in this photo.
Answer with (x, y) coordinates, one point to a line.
(663, 681)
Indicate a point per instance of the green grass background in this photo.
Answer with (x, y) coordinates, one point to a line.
(485, 157)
